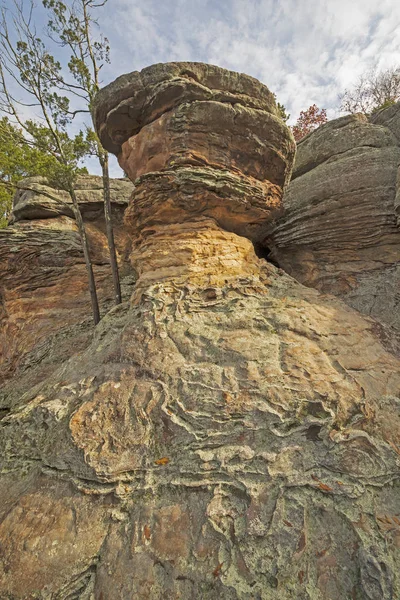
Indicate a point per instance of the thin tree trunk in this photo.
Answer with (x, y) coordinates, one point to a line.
(109, 228)
(88, 262)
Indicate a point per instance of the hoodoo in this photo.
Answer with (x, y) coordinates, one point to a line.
(228, 433)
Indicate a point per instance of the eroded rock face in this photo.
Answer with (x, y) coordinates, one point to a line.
(35, 199)
(44, 299)
(340, 229)
(228, 432)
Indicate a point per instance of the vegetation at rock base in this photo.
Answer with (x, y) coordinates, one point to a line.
(373, 91)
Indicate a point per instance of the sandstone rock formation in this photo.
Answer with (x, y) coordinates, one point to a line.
(228, 433)
(44, 300)
(340, 230)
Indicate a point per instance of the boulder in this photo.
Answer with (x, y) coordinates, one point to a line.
(36, 199)
(136, 99)
(389, 117)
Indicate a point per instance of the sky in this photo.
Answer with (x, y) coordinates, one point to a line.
(306, 51)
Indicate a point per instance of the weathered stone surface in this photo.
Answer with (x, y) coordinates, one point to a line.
(390, 118)
(230, 433)
(194, 113)
(339, 231)
(55, 533)
(44, 300)
(35, 199)
(248, 433)
(133, 100)
(211, 133)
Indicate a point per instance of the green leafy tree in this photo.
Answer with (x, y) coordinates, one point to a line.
(73, 26)
(29, 75)
(18, 159)
(374, 90)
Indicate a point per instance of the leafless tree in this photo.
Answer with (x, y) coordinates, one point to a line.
(374, 90)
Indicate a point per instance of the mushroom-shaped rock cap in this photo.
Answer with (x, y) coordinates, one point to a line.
(133, 100)
(192, 129)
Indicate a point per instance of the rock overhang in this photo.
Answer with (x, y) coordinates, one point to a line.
(189, 118)
(135, 99)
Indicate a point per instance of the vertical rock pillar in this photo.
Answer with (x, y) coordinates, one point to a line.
(210, 157)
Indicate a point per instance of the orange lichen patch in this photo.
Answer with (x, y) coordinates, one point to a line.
(170, 536)
(162, 461)
(324, 487)
(362, 523)
(394, 446)
(387, 522)
(301, 545)
(146, 532)
(390, 526)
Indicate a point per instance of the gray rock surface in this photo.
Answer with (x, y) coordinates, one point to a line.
(340, 229)
(389, 117)
(35, 199)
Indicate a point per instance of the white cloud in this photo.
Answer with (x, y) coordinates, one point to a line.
(305, 50)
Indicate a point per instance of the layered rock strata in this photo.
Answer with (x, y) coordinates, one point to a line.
(44, 299)
(340, 229)
(228, 433)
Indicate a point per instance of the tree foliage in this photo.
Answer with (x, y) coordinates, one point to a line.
(29, 76)
(308, 121)
(374, 90)
(18, 159)
(282, 110)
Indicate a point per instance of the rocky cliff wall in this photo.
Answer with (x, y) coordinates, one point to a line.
(44, 301)
(340, 229)
(227, 433)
